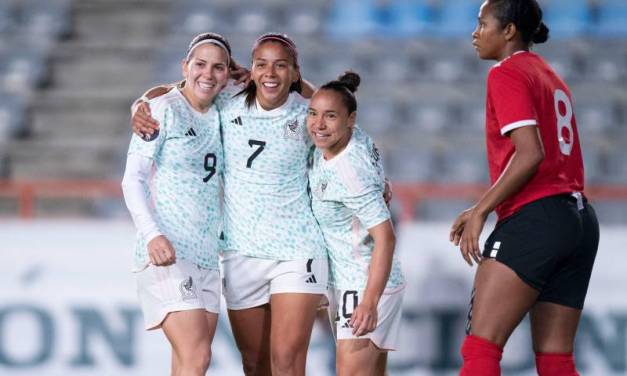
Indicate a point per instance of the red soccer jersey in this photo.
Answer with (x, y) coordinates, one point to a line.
(523, 90)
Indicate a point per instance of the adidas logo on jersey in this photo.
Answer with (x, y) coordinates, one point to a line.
(237, 120)
(311, 279)
(191, 132)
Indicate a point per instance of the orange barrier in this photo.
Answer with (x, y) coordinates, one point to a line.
(408, 195)
(27, 192)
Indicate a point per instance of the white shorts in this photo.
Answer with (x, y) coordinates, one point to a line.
(385, 335)
(249, 281)
(181, 286)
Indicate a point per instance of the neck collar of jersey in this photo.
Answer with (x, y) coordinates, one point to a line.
(333, 161)
(189, 105)
(275, 111)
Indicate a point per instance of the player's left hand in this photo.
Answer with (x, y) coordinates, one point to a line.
(465, 232)
(364, 318)
(387, 192)
(239, 73)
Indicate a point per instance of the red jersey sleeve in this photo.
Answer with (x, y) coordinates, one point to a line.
(512, 99)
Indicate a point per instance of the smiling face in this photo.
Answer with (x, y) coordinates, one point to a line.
(206, 74)
(273, 71)
(329, 123)
(490, 37)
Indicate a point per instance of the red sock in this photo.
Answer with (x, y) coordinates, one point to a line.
(556, 364)
(481, 357)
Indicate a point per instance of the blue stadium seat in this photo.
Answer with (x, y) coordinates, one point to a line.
(457, 18)
(612, 16)
(13, 119)
(567, 18)
(407, 18)
(350, 19)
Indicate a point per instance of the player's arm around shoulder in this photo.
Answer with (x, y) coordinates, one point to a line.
(142, 120)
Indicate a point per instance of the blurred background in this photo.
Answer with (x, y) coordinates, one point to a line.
(69, 70)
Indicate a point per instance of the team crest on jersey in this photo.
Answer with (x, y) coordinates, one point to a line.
(319, 191)
(292, 129)
(187, 288)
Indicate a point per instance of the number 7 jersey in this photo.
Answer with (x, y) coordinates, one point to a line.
(267, 210)
(523, 90)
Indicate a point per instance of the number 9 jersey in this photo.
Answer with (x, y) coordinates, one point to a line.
(184, 189)
(523, 90)
(267, 209)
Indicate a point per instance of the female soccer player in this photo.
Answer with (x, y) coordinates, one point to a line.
(275, 261)
(347, 183)
(172, 188)
(540, 255)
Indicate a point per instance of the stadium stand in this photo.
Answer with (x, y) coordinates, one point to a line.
(422, 92)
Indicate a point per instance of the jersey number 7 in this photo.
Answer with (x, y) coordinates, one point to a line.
(260, 146)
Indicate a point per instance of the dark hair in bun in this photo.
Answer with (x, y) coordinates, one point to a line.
(525, 14)
(346, 85)
(542, 34)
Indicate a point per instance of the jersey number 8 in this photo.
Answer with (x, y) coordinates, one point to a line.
(564, 115)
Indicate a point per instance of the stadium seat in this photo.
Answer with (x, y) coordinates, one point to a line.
(611, 18)
(567, 18)
(408, 164)
(13, 119)
(350, 19)
(407, 18)
(432, 118)
(194, 18)
(472, 117)
(464, 166)
(378, 116)
(616, 167)
(7, 17)
(5, 163)
(457, 18)
(303, 20)
(49, 18)
(23, 69)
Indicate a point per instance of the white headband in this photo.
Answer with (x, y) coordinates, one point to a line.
(215, 42)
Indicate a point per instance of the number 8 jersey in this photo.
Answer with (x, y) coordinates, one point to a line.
(184, 189)
(523, 90)
(267, 210)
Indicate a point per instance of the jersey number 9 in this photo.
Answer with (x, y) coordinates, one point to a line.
(210, 166)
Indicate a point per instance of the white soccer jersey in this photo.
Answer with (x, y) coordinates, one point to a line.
(347, 200)
(267, 210)
(184, 189)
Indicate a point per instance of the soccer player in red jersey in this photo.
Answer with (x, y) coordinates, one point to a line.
(539, 257)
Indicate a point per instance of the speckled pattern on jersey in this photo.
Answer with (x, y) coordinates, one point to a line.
(184, 190)
(267, 210)
(347, 200)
